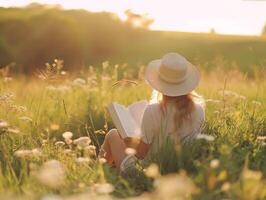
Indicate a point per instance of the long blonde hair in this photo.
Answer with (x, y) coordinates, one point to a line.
(184, 104)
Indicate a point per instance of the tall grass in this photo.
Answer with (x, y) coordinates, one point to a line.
(227, 161)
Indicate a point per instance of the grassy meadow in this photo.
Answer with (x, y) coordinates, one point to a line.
(53, 124)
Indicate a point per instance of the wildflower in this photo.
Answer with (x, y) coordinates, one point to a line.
(152, 171)
(214, 163)
(130, 151)
(105, 64)
(256, 103)
(51, 197)
(222, 175)
(51, 174)
(105, 188)
(36, 152)
(68, 141)
(228, 93)
(172, 186)
(25, 118)
(3, 124)
(63, 73)
(90, 150)
(102, 160)
(82, 142)
(54, 127)
(13, 130)
(44, 142)
(106, 78)
(22, 153)
(79, 82)
(226, 186)
(6, 96)
(27, 153)
(261, 137)
(242, 97)
(213, 101)
(251, 174)
(67, 135)
(83, 160)
(59, 143)
(21, 109)
(82, 185)
(60, 88)
(205, 137)
(8, 79)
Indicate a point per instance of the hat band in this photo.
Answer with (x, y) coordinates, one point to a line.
(172, 80)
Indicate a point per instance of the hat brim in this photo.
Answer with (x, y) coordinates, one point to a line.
(188, 85)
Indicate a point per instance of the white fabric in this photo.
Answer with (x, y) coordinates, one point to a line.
(155, 124)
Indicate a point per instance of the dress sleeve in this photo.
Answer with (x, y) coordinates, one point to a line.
(147, 126)
(198, 118)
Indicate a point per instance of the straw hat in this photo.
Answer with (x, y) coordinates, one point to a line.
(172, 75)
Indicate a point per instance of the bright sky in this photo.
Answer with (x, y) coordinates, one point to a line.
(225, 16)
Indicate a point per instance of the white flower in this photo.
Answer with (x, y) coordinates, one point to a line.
(205, 137)
(82, 141)
(256, 103)
(90, 150)
(67, 135)
(228, 93)
(214, 163)
(242, 97)
(22, 153)
(104, 188)
(13, 130)
(51, 197)
(261, 137)
(79, 82)
(60, 88)
(130, 151)
(6, 96)
(36, 152)
(3, 124)
(25, 118)
(8, 79)
(54, 127)
(59, 143)
(212, 101)
(226, 186)
(83, 160)
(172, 186)
(152, 171)
(102, 160)
(51, 174)
(251, 174)
(28, 153)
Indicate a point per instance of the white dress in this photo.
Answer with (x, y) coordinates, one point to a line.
(156, 128)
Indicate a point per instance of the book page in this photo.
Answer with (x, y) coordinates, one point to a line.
(124, 121)
(137, 110)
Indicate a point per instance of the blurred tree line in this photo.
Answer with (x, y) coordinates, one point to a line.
(36, 34)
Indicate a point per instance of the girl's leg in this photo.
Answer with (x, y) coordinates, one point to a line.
(114, 148)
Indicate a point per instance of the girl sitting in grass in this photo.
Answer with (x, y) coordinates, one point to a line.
(178, 114)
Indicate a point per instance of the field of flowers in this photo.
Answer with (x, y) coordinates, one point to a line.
(52, 125)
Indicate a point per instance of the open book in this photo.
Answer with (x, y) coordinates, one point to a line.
(128, 119)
